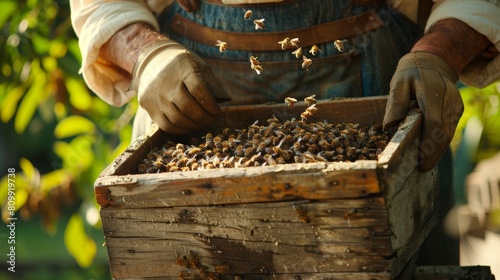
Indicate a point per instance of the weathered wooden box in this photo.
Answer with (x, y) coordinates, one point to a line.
(367, 218)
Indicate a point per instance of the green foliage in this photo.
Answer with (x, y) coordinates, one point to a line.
(41, 90)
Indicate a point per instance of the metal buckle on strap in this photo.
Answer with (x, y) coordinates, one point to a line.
(268, 41)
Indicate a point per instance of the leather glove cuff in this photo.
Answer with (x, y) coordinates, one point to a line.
(143, 60)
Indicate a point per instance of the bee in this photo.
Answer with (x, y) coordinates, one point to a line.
(193, 260)
(182, 275)
(285, 43)
(290, 101)
(295, 42)
(312, 109)
(298, 52)
(248, 14)
(314, 50)
(259, 24)
(305, 115)
(301, 212)
(349, 214)
(193, 151)
(221, 268)
(182, 261)
(306, 63)
(222, 46)
(255, 65)
(339, 45)
(310, 100)
(158, 162)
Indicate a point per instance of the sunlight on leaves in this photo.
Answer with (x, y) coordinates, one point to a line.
(78, 243)
(73, 125)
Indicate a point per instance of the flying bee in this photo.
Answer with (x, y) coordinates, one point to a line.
(248, 14)
(290, 101)
(339, 45)
(301, 212)
(285, 43)
(259, 24)
(305, 115)
(306, 63)
(312, 109)
(298, 52)
(222, 45)
(310, 100)
(295, 42)
(255, 65)
(314, 50)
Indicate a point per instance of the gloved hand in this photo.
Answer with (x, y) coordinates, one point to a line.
(176, 88)
(428, 79)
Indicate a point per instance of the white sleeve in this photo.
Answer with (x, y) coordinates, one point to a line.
(484, 17)
(94, 23)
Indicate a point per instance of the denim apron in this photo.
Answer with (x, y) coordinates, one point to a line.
(364, 68)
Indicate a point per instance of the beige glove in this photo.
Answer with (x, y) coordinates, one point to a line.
(176, 88)
(427, 78)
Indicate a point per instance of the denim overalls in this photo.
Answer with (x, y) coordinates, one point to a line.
(364, 68)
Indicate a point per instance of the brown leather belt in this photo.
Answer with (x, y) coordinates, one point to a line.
(268, 41)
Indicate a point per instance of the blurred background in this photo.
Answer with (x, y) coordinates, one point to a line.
(59, 136)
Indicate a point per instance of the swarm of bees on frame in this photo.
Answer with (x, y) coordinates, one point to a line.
(286, 43)
(277, 142)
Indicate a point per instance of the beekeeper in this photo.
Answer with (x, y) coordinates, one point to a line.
(181, 58)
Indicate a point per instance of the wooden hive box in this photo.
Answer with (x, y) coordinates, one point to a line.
(367, 218)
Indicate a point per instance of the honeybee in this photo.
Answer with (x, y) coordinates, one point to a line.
(295, 42)
(306, 62)
(259, 24)
(222, 45)
(248, 14)
(298, 52)
(339, 45)
(305, 115)
(255, 64)
(314, 50)
(312, 109)
(310, 100)
(301, 212)
(285, 43)
(290, 101)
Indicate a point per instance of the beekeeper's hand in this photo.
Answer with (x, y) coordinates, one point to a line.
(428, 79)
(176, 87)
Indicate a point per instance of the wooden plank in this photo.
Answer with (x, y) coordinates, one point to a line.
(136, 258)
(240, 185)
(400, 157)
(412, 215)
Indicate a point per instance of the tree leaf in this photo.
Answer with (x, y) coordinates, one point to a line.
(78, 243)
(31, 99)
(9, 103)
(73, 125)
